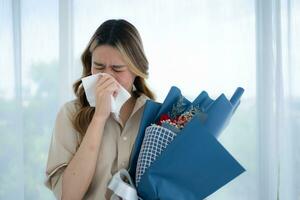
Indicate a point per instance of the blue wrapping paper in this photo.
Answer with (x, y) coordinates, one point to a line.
(194, 165)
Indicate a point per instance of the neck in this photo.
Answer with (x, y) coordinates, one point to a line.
(127, 109)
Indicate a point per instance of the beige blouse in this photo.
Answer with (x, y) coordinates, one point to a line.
(114, 153)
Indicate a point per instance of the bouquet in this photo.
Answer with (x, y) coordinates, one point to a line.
(158, 136)
(176, 154)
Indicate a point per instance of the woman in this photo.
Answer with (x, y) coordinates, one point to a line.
(89, 144)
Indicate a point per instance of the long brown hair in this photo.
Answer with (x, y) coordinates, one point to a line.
(123, 36)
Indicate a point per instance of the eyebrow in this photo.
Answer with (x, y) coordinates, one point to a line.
(103, 65)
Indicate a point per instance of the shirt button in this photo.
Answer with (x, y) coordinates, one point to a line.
(125, 138)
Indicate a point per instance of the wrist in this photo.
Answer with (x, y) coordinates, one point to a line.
(99, 119)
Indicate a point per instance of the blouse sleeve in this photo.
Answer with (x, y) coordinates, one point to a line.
(64, 143)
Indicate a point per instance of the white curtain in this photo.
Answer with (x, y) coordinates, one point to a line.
(278, 122)
(197, 45)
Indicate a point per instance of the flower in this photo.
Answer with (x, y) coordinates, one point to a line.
(164, 117)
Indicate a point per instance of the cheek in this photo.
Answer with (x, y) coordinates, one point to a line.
(93, 70)
(126, 80)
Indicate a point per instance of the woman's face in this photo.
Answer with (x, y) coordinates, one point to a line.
(106, 59)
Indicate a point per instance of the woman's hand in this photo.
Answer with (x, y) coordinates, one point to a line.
(106, 86)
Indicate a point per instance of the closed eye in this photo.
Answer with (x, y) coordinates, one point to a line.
(98, 66)
(118, 68)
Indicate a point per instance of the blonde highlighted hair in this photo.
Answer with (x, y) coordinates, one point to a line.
(123, 36)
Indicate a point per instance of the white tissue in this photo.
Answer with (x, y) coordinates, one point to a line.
(89, 85)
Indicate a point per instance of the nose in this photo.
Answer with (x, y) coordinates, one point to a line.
(109, 70)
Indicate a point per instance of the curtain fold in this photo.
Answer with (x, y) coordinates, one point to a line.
(275, 122)
(18, 114)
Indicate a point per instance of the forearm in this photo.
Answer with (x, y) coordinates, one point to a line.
(80, 171)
